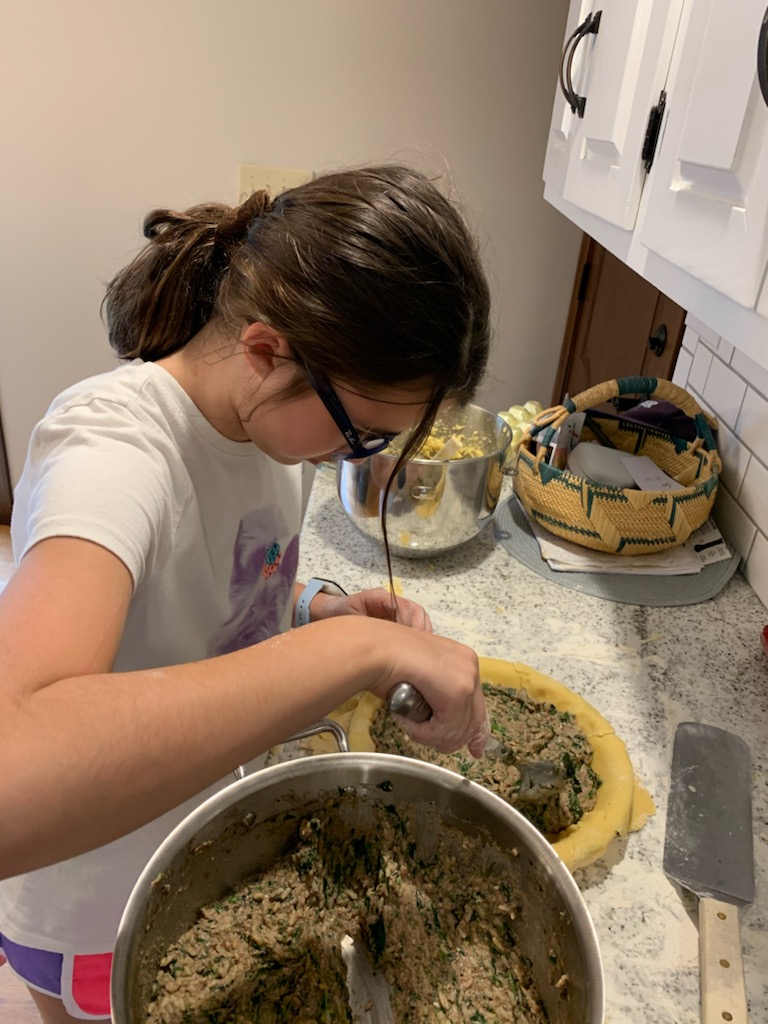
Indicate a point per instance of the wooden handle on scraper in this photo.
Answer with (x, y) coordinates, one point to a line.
(723, 992)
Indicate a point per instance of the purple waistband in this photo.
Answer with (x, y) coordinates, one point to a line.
(38, 967)
(81, 981)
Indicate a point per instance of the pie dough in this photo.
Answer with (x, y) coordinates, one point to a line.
(623, 804)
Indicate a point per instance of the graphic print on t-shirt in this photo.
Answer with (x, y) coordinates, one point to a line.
(261, 585)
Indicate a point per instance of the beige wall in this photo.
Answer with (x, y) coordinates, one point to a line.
(113, 107)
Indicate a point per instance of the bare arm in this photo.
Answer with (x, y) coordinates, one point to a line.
(87, 755)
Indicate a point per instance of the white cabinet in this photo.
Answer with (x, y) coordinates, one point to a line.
(617, 73)
(707, 210)
(693, 217)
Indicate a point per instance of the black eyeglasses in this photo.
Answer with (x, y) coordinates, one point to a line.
(360, 447)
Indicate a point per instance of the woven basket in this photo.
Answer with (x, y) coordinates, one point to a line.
(619, 520)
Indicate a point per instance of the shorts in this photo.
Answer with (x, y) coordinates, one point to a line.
(81, 982)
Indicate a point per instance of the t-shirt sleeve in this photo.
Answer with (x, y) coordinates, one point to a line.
(92, 472)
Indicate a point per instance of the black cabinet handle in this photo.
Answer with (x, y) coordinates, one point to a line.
(589, 26)
(652, 130)
(564, 89)
(762, 57)
(657, 342)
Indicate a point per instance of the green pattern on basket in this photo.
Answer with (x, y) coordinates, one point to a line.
(614, 519)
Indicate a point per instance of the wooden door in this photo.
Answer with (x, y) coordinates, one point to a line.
(618, 325)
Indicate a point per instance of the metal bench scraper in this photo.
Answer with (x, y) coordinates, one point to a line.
(708, 849)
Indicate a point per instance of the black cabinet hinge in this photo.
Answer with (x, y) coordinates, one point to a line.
(652, 130)
(584, 282)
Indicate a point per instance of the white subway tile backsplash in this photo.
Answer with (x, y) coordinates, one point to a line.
(725, 350)
(710, 338)
(690, 339)
(753, 496)
(756, 569)
(751, 371)
(697, 375)
(735, 390)
(752, 424)
(735, 525)
(682, 368)
(735, 459)
(704, 407)
(724, 391)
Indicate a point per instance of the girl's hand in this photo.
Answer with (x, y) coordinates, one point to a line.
(447, 674)
(376, 604)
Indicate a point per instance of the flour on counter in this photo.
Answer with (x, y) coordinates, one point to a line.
(602, 652)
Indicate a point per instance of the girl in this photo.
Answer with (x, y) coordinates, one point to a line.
(145, 641)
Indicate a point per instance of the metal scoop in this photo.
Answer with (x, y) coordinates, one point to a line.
(539, 780)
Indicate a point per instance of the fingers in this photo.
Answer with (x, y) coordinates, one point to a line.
(481, 735)
(434, 734)
(445, 672)
(477, 743)
(449, 681)
(377, 603)
(414, 615)
(452, 730)
(440, 733)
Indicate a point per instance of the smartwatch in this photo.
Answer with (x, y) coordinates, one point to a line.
(314, 587)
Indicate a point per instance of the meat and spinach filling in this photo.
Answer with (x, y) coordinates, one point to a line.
(530, 732)
(437, 917)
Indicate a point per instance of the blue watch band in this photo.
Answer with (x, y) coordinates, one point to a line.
(314, 587)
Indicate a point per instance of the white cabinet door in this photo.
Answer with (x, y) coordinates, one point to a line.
(564, 124)
(707, 209)
(595, 161)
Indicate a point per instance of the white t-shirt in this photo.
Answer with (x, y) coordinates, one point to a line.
(208, 528)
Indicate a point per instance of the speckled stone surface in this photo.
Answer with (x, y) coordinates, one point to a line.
(645, 670)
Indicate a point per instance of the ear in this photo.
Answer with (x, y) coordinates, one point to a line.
(263, 346)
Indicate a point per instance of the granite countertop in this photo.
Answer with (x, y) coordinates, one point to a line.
(645, 670)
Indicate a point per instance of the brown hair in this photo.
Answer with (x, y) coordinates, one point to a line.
(371, 275)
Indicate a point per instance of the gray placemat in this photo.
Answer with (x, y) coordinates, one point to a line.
(514, 533)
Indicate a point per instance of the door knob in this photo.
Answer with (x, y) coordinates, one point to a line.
(658, 340)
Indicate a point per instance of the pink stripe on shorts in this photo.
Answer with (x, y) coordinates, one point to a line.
(80, 981)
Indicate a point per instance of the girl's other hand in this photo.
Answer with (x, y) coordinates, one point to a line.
(376, 604)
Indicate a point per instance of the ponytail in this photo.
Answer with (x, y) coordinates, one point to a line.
(169, 291)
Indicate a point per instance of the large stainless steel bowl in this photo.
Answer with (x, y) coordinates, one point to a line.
(244, 829)
(432, 506)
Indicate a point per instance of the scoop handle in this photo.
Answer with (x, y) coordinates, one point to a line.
(406, 701)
